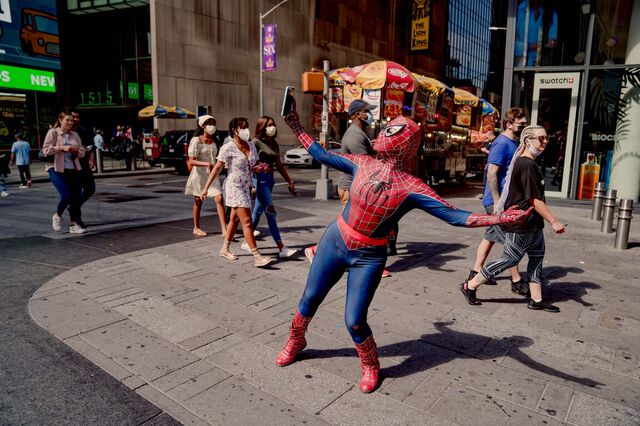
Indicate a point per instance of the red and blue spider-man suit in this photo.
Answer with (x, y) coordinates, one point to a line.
(381, 193)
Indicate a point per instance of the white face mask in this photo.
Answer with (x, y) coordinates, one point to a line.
(244, 134)
(270, 131)
(210, 129)
(534, 151)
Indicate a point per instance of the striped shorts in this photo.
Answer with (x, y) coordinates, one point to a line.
(516, 245)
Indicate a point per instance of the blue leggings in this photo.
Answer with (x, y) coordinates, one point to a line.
(264, 183)
(332, 259)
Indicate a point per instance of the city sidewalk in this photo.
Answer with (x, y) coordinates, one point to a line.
(112, 168)
(197, 335)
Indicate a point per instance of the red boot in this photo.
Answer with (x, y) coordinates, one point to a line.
(369, 364)
(296, 342)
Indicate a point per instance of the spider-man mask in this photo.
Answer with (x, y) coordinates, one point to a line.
(399, 139)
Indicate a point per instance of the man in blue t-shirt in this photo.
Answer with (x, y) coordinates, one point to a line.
(500, 154)
(21, 157)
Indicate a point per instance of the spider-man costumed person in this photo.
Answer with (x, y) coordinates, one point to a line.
(381, 193)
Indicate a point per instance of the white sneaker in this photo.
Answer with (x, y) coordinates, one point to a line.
(244, 246)
(23, 187)
(56, 222)
(76, 229)
(257, 233)
(4, 194)
(287, 252)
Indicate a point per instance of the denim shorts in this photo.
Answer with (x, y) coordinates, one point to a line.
(494, 233)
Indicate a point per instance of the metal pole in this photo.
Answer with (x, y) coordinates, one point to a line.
(261, 16)
(260, 65)
(99, 164)
(324, 185)
(609, 209)
(507, 85)
(624, 223)
(598, 195)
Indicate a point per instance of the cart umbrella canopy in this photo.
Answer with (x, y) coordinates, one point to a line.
(380, 74)
(430, 84)
(164, 111)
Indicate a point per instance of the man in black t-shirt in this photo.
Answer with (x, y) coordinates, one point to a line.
(524, 187)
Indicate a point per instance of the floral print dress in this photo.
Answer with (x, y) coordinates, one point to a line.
(237, 185)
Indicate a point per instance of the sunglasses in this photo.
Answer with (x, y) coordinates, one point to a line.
(541, 139)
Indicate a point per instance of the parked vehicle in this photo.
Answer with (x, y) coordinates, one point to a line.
(174, 148)
(300, 157)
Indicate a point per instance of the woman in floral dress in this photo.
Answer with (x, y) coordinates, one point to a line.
(202, 157)
(239, 157)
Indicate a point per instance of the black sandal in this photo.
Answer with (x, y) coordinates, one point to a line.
(469, 294)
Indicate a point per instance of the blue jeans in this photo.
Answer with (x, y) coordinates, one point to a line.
(364, 268)
(3, 183)
(264, 183)
(68, 186)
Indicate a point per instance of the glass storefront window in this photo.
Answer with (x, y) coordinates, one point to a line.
(611, 31)
(550, 32)
(606, 121)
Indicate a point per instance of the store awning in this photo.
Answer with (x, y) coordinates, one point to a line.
(335, 79)
(380, 74)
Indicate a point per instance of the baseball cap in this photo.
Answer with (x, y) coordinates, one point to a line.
(360, 105)
(203, 118)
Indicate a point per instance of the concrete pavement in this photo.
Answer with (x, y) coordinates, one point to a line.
(197, 335)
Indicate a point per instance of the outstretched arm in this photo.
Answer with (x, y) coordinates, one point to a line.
(347, 163)
(212, 175)
(426, 199)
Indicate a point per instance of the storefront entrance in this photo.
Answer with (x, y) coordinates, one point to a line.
(555, 104)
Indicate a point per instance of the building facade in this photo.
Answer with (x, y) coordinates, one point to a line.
(575, 66)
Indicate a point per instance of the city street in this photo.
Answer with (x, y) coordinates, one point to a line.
(140, 323)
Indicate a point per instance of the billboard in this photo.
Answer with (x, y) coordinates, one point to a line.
(29, 33)
(420, 25)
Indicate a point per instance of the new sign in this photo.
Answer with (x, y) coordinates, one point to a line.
(27, 78)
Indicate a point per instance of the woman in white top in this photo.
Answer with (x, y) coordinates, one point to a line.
(239, 157)
(202, 157)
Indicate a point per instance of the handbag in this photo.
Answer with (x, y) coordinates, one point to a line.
(253, 192)
(46, 158)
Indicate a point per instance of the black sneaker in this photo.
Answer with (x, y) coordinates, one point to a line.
(472, 273)
(542, 305)
(521, 288)
(469, 294)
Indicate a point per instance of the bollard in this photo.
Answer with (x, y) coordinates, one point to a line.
(624, 223)
(608, 209)
(598, 195)
(99, 165)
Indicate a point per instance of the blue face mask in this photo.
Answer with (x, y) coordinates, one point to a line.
(369, 119)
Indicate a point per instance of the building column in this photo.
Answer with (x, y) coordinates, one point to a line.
(625, 169)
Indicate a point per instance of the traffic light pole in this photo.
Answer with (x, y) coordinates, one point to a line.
(324, 185)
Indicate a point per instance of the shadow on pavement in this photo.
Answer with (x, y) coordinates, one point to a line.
(439, 352)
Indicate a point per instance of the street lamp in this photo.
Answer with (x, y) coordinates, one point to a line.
(262, 16)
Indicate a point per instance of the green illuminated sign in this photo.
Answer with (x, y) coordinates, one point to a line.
(148, 92)
(132, 91)
(27, 78)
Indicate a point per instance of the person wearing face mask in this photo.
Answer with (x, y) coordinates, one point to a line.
(269, 156)
(202, 154)
(501, 153)
(239, 157)
(524, 187)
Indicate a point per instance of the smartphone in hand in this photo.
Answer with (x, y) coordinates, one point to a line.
(287, 101)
